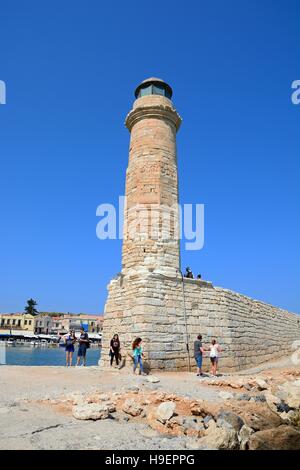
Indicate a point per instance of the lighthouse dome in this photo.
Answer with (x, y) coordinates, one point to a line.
(153, 86)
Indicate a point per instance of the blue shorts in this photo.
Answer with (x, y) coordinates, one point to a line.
(82, 350)
(70, 348)
(198, 360)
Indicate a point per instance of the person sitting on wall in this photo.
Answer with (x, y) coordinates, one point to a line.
(188, 273)
(199, 276)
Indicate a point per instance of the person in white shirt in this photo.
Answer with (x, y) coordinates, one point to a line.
(215, 349)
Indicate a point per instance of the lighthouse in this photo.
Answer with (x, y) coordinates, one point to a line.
(150, 298)
(151, 217)
(136, 304)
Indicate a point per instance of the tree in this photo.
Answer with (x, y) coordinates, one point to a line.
(30, 307)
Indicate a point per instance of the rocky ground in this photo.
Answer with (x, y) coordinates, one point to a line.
(85, 408)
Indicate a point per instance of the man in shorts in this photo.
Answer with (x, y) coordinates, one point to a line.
(198, 352)
(84, 343)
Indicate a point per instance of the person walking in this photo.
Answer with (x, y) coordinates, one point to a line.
(215, 349)
(70, 340)
(114, 349)
(138, 355)
(84, 344)
(198, 354)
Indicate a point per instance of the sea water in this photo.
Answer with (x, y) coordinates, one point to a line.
(45, 356)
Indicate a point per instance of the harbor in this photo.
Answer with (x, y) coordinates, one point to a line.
(25, 349)
(32, 353)
(12, 339)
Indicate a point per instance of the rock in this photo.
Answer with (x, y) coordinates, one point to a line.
(175, 425)
(244, 437)
(243, 397)
(152, 379)
(293, 394)
(293, 416)
(219, 438)
(91, 411)
(177, 420)
(159, 397)
(146, 402)
(154, 423)
(131, 407)
(96, 397)
(206, 420)
(283, 437)
(283, 407)
(272, 401)
(76, 398)
(165, 411)
(261, 384)
(204, 408)
(248, 387)
(193, 427)
(212, 424)
(191, 422)
(197, 408)
(172, 397)
(111, 407)
(259, 416)
(259, 398)
(225, 395)
(229, 420)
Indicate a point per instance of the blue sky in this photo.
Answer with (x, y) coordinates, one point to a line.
(71, 68)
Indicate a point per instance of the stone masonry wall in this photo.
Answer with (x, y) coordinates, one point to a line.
(250, 332)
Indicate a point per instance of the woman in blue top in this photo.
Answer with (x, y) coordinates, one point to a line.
(137, 355)
(69, 340)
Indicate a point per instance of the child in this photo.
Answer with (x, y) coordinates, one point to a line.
(137, 355)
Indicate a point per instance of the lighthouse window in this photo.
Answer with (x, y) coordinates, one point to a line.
(146, 91)
(156, 89)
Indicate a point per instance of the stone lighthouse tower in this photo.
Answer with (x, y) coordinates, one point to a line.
(150, 251)
(151, 213)
(150, 298)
